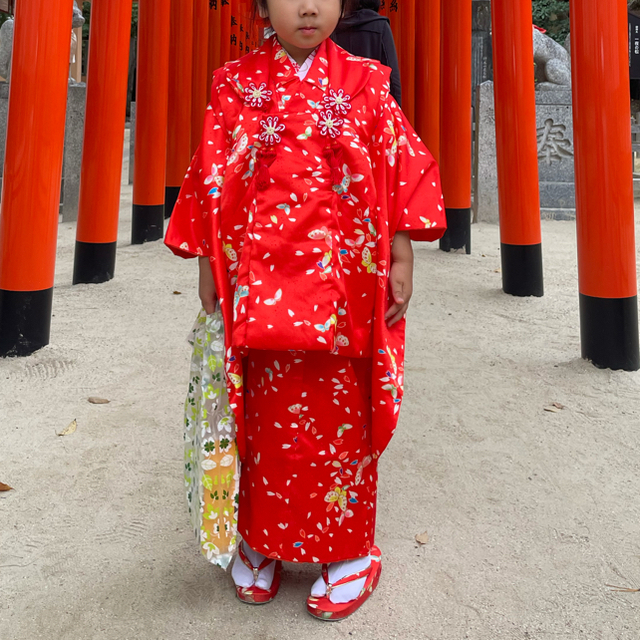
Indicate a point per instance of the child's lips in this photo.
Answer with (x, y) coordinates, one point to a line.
(308, 30)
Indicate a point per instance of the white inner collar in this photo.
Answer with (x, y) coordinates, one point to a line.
(303, 70)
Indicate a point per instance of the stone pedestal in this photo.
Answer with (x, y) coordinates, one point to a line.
(554, 124)
(132, 138)
(4, 114)
(554, 121)
(70, 191)
(485, 169)
(73, 140)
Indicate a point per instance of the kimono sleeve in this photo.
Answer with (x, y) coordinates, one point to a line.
(190, 231)
(408, 177)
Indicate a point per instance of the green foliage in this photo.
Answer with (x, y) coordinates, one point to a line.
(86, 12)
(4, 17)
(134, 20)
(552, 15)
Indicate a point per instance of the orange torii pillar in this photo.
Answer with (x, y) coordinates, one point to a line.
(33, 173)
(99, 206)
(200, 82)
(393, 14)
(428, 74)
(604, 184)
(179, 114)
(151, 120)
(234, 50)
(517, 148)
(455, 123)
(225, 31)
(245, 28)
(215, 35)
(408, 57)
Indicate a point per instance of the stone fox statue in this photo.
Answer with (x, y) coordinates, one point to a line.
(6, 41)
(78, 21)
(553, 63)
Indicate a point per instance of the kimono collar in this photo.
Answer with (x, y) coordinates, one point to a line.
(271, 62)
(283, 68)
(303, 69)
(350, 72)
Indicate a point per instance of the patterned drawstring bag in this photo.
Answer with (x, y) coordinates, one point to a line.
(212, 471)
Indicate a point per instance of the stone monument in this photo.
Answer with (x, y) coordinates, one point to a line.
(482, 60)
(554, 125)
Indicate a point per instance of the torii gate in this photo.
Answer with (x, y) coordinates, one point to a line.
(181, 42)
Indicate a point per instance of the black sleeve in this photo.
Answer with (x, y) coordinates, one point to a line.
(390, 59)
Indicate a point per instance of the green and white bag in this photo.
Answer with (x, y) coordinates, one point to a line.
(212, 470)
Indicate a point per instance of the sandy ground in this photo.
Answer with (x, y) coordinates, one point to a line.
(529, 513)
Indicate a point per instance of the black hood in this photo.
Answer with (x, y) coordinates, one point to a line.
(361, 18)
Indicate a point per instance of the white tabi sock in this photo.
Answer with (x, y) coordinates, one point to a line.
(338, 570)
(243, 576)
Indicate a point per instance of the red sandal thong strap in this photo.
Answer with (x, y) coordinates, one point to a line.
(256, 570)
(350, 578)
(253, 594)
(322, 608)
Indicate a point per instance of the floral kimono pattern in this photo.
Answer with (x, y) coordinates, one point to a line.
(310, 413)
(295, 194)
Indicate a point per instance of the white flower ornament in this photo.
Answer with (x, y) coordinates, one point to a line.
(271, 128)
(257, 96)
(329, 123)
(338, 102)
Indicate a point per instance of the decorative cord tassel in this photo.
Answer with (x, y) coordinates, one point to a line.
(334, 156)
(336, 175)
(264, 176)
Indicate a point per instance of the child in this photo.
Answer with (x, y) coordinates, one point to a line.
(300, 203)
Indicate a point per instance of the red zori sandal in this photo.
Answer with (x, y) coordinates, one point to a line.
(253, 594)
(322, 607)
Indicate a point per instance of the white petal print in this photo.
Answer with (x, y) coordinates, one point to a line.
(271, 301)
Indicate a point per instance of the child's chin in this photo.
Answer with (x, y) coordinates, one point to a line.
(308, 41)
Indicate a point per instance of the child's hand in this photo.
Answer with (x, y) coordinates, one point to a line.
(400, 277)
(206, 286)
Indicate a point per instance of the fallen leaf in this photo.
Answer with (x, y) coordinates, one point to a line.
(5, 487)
(94, 400)
(622, 589)
(422, 538)
(70, 429)
(177, 293)
(555, 407)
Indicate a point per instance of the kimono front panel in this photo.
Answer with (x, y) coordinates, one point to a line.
(305, 263)
(308, 487)
(296, 284)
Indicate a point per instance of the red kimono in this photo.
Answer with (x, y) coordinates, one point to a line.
(295, 194)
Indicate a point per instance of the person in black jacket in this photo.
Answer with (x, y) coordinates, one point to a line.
(365, 33)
